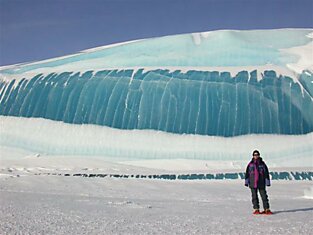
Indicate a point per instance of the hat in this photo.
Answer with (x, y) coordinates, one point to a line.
(256, 152)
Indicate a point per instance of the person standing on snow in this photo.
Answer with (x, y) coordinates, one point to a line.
(257, 178)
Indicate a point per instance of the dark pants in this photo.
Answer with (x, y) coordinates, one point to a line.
(255, 198)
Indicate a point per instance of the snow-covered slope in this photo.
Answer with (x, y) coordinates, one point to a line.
(286, 48)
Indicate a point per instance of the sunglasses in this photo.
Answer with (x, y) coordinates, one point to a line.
(256, 154)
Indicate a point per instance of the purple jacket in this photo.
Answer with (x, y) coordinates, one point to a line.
(257, 174)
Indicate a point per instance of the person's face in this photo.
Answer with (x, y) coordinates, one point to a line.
(256, 156)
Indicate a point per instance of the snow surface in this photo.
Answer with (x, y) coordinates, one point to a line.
(33, 204)
(305, 54)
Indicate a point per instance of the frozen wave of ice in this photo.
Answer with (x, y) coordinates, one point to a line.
(214, 84)
(193, 102)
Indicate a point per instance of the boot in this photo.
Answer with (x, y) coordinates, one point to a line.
(256, 212)
(267, 212)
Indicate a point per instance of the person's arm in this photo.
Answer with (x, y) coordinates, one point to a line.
(267, 176)
(247, 176)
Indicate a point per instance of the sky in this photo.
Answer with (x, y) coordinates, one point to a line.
(34, 30)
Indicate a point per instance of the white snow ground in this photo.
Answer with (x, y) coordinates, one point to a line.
(42, 204)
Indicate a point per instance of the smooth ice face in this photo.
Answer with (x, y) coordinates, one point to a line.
(195, 102)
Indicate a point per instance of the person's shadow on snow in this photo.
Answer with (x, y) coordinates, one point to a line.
(294, 210)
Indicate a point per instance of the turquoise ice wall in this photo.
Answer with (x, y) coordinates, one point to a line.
(193, 102)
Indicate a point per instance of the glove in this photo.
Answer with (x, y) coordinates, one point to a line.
(267, 182)
(247, 182)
